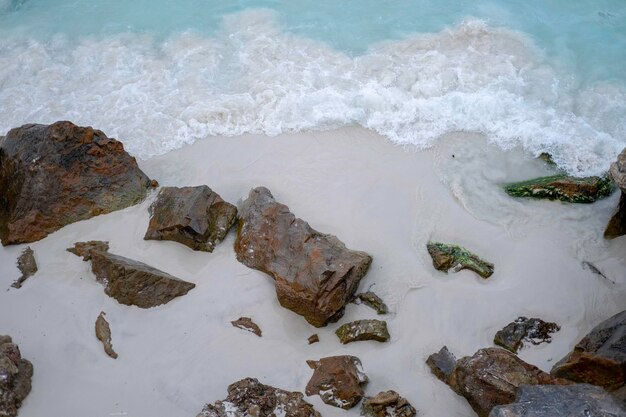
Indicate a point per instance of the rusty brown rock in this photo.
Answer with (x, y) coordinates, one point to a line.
(387, 404)
(84, 249)
(360, 330)
(103, 333)
(315, 274)
(314, 338)
(27, 266)
(194, 216)
(54, 175)
(246, 323)
(338, 380)
(15, 377)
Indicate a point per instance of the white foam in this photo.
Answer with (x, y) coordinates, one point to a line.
(253, 78)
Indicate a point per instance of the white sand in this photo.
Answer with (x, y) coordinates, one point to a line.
(374, 197)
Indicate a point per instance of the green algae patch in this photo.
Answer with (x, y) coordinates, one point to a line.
(452, 257)
(564, 188)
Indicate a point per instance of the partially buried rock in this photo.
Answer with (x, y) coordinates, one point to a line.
(442, 364)
(373, 301)
(387, 404)
(338, 380)
(134, 283)
(533, 330)
(363, 330)
(561, 401)
(314, 338)
(84, 249)
(15, 377)
(248, 398)
(617, 224)
(103, 333)
(600, 357)
(455, 258)
(246, 323)
(315, 274)
(27, 266)
(194, 216)
(54, 175)
(563, 187)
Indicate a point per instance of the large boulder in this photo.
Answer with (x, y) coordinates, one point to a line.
(578, 400)
(600, 357)
(338, 380)
(248, 397)
(563, 187)
(194, 216)
(15, 377)
(132, 282)
(54, 175)
(315, 274)
(617, 224)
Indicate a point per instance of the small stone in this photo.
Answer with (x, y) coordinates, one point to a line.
(338, 380)
(247, 324)
(387, 404)
(442, 364)
(27, 266)
(451, 257)
(547, 158)
(103, 333)
(373, 301)
(313, 339)
(534, 330)
(363, 330)
(564, 188)
(154, 183)
(84, 248)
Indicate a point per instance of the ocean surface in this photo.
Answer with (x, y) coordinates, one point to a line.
(546, 76)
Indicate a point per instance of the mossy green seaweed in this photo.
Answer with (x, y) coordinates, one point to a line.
(447, 257)
(564, 188)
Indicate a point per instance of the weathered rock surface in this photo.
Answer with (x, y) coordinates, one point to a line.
(54, 175)
(15, 377)
(250, 398)
(363, 330)
(442, 364)
(579, 400)
(372, 300)
(27, 265)
(103, 333)
(315, 274)
(533, 330)
(134, 283)
(387, 404)
(491, 377)
(246, 323)
(314, 338)
(617, 224)
(451, 257)
(600, 357)
(338, 380)
(194, 216)
(563, 187)
(84, 249)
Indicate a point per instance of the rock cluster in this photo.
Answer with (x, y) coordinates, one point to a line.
(563, 187)
(387, 404)
(363, 330)
(338, 380)
(532, 330)
(617, 225)
(27, 265)
(15, 377)
(455, 258)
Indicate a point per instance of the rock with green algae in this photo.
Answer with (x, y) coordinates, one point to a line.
(451, 257)
(563, 187)
(371, 300)
(359, 330)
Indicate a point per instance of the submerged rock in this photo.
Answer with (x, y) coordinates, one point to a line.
(561, 401)
(442, 364)
(363, 330)
(563, 187)
(387, 404)
(134, 283)
(15, 377)
(103, 333)
(314, 338)
(248, 398)
(373, 301)
(533, 330)
(315, 274)
(338, 380)
(27, 266)
(84, 249)
(246, 323)
(451, 257)
(600, 357)
(54, 175)
(617, 225)
(194, 216)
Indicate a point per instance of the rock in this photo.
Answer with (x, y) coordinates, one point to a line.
(561, 401)
(134, 283)
(313, 339)
(27, 266)
(451, 257)
(103, 333)
(15, 377)
(563, 187)
(84, 248)
(315, 274)
(547, 158)
(246, 323)
(491, 377)
(617, 225)
(363, 330)
(194, 216)
(338, 380)
(373, 301)
(600, 357)
(250, 398)
(533, 330)
(387, 404)
(442, 364)
(54, 175)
